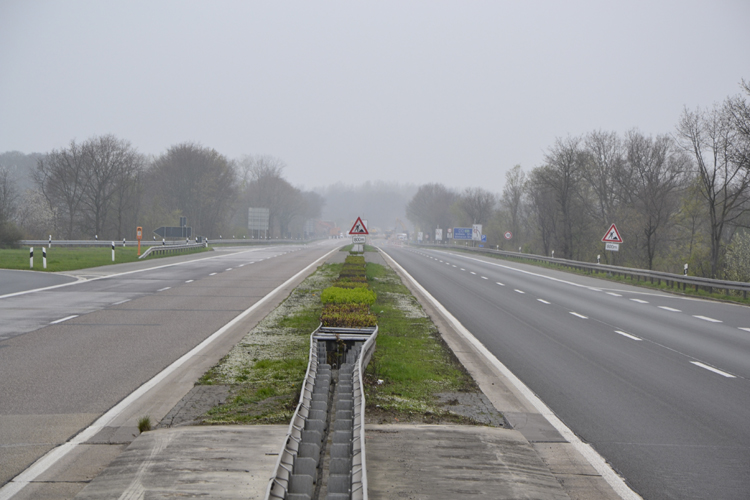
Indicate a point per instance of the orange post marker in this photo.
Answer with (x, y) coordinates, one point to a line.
(138, 236)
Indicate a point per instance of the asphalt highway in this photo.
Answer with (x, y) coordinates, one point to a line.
(73, 350)
(657, 383)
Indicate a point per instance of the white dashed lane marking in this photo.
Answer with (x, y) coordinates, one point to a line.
(212, 274)
(484, 277)
(640, 301)
(613, 294)
(706, 318)
(712, 369)
(543, 301)
(669, 309)
(632, 337)
(501, 284)
(66, 318)
(189, 281)
(165, 288)
(579, 315)
(519, 291)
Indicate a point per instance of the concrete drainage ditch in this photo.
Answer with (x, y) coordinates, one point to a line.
(323, 457)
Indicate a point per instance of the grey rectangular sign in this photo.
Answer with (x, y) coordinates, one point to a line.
(257, 219)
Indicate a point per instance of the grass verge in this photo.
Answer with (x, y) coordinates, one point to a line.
(71, 258)
(411, 364)
(265, 370)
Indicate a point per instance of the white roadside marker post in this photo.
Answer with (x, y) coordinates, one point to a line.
(113, 251)
(123, 243)
(31, 258)
(44, 258)
(50, 241)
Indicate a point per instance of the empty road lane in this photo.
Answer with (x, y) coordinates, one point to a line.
(70, 353)
(656, 383)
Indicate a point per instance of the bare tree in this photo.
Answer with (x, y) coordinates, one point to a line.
(543, 207)
(605, 160)
(197, 182)
(110, 165)
(8, 196)
(653, 180)
(562, 175)
(478, 204)
(712, 139)
(512, 200)
(61, 177)
(429, 208)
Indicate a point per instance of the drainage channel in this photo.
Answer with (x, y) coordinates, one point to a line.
(323, 457)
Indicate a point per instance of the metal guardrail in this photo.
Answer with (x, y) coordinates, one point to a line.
(279, 482)
(147, 243)
(164, 249)
(671, 279)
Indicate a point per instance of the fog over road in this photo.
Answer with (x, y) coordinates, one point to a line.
(70, 353)
(658, 384)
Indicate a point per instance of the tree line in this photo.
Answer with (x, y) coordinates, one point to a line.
(676, 198)
(103, 187)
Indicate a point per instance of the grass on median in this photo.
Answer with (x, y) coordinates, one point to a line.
(66, 258)
(265, 370)
(411, 363)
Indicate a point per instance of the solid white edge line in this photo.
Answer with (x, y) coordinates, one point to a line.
(632, 337)
(706, 318)
(50, 458)
(596, 460)
(66, 318)
(712, 369)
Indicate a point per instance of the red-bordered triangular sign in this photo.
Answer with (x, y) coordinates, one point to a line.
(612, 236)
(358, 227)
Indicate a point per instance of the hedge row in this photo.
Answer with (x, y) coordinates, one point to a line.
(336, 295)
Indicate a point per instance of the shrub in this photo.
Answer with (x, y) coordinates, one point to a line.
(348, 315)
(353, 259)
(338, 295)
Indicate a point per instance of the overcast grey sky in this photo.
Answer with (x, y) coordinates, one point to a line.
(451, 92)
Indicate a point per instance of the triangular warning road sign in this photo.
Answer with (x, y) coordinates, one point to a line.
(612, 236)
(358, 227)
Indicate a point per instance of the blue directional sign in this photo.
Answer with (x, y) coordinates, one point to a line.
(484, 238)
(461, 233)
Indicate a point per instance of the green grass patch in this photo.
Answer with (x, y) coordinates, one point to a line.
(265, 370)
(61, 258)
(368, 248)
(411, 359)
(336, 295)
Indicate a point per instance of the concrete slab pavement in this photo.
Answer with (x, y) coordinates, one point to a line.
(218, 462)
